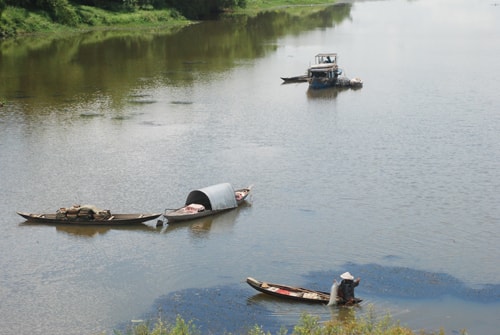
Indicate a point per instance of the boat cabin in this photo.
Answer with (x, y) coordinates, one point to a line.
(325, 66)
(326, 58)
(329, 72)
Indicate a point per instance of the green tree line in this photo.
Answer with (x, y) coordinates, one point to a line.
(66, 11)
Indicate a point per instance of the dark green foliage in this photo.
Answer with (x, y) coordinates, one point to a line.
(74, 13)
(97, 3)
(61, 11)
(2, 7)
(110, 5)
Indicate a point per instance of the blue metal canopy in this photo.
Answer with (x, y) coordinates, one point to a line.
(216, 197)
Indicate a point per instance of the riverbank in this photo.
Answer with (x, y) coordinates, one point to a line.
(16, 21)
(20, 22)
(308, 324)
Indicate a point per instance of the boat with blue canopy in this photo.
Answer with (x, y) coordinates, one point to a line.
(209, 200)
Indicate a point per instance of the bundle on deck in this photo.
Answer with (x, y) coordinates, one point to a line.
(84, 213)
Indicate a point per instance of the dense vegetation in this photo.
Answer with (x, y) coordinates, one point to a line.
(27, 16)
(65, 11)
(48, 16)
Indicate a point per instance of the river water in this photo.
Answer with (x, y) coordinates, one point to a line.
(397, 182)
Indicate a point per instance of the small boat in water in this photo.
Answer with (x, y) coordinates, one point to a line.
(326, 73)
(295, 79)
(88, 215)
(207, 201)
(296, 293)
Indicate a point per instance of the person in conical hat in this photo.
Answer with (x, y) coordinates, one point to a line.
(346, 288)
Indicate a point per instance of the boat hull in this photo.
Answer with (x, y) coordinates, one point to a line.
(176, 216)
(320, 83)
(289, 292)
(115, 219)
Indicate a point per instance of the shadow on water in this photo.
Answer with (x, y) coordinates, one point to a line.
(406, 283)
(236, 308)
(213, 310)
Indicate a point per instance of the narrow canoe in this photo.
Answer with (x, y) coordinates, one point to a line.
(114, 219)
(293, 293)
(296, 79)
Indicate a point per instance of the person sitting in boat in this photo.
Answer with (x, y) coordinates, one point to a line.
(346, 288)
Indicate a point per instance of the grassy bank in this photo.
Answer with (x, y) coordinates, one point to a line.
(16, 21)
(307, 325)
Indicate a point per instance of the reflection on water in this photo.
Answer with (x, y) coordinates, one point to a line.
(106, 66)
(201, 225)
(326, 93)
(93, 230)
(199, 228)
(88, 231)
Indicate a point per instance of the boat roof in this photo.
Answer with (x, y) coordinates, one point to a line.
(214, 197)
(327, 54)
(325, 58)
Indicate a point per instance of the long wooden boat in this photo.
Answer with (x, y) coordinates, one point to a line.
(88, 215)
(207, 201)
(294, 293)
